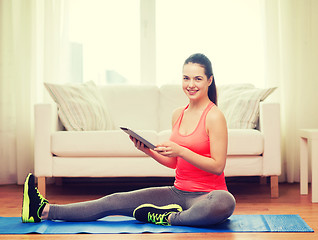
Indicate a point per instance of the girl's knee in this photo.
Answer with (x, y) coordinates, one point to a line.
(213, 208)
(223, 203)
(222, 196)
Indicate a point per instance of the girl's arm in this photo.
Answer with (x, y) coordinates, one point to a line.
(170, 162)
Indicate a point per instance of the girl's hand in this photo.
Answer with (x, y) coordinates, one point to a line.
(168, 149)
(139, 145)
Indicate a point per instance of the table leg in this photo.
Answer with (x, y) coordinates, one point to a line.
(314, 167)
(303, 166)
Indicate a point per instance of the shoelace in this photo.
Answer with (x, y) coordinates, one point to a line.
(157, 218)
(40, 196)
(41, 204)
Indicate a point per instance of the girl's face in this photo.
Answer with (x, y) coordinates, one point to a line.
(195, 83)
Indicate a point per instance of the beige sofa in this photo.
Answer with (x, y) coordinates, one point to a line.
(146, 109)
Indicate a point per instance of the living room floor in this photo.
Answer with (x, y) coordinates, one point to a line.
(252, 198)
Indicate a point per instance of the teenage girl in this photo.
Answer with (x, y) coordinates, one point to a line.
(197, 149)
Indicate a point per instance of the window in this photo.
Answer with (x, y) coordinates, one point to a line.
(120, 41)
(104, 41)
(229, 32)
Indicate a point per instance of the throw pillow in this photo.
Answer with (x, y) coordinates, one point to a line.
(240, 104)
(80, 106)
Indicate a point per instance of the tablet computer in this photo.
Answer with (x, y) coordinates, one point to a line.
(138, 137)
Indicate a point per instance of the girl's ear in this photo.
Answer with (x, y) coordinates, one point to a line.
(210, 80)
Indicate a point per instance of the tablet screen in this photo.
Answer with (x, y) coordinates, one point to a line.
(138, 137)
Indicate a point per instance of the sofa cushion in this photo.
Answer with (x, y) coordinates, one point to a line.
(116, 143)
(113, 143)
(240, 104)
(245, 142)
(133, 106)
(164, 136)
(171, 98)
(80, 106)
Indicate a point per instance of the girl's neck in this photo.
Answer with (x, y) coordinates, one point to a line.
(199, 104)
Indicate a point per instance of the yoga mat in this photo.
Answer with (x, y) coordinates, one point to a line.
(114, 224)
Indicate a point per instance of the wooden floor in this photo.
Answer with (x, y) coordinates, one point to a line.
(252, 198)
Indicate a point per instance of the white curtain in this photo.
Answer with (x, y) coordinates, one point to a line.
(291, 34)
(32, 50)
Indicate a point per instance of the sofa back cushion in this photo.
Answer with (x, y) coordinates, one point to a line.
(80, 106)
(240, 104)
(133, 106)
(171, 98)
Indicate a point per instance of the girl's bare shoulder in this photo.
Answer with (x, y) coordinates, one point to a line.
(215, 117)
(176, 114)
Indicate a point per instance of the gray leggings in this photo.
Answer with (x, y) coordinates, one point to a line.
(199, 208)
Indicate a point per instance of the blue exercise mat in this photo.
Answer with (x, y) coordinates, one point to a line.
(236, 223)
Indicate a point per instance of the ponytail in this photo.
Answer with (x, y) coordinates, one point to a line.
(212, 93)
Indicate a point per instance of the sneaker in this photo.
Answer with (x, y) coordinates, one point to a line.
(154, 214)
(33, 202)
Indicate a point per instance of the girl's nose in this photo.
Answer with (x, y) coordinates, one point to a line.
(191, 83)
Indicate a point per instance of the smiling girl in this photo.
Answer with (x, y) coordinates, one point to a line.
(196, 149)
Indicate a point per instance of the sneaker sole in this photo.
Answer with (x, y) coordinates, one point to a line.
(170, 206)
(26, 201)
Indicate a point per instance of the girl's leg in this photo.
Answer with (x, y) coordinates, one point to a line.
(208, 209)
(114, 204)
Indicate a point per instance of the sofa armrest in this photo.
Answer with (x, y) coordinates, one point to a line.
(269, 125)
(46, 121)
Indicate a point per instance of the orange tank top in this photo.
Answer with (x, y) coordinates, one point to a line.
(188, 177)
